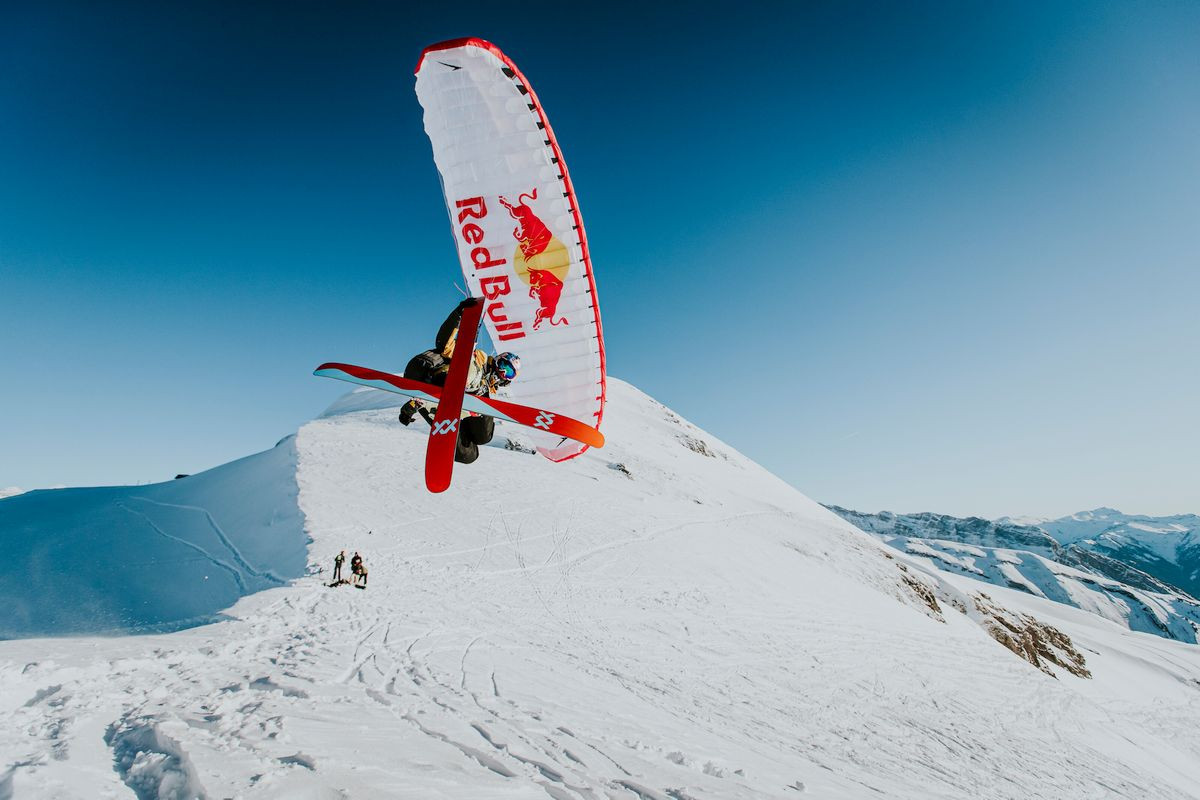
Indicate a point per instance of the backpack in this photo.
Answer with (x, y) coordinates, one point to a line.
(427, 367)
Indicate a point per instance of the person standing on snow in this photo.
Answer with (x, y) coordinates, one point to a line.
(338, 560)
(358, 569)
(486, 375)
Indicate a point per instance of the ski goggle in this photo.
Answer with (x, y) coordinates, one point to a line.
(507, 367)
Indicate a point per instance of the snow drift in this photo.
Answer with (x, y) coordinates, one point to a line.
(142, 558)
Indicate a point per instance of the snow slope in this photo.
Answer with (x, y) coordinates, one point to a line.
(159, 557)
(658, 619)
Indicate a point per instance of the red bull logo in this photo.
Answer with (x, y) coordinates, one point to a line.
(531, 233)
(547, 288)
(541, 259)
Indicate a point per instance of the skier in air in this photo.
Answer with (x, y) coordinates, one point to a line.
(486, 375)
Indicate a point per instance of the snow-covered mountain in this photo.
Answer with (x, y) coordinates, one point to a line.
(1052, 562)
(1166, 547)
(658, 619)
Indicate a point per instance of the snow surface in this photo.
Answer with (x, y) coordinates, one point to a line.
(158, 557)
(10, 491)
(658, 619)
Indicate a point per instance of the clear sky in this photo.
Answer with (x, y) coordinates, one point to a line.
(915, 256)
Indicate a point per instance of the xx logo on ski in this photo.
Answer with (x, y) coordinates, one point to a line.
(441, 449)
(544, 420)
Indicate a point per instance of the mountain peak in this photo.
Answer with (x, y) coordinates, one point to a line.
(1097, 513)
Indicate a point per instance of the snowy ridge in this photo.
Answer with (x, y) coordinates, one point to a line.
(658, 619)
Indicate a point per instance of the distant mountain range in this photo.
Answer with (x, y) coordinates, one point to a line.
(1166, 547)
(1142, 572)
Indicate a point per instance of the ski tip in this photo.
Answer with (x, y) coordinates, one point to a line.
(585, 434)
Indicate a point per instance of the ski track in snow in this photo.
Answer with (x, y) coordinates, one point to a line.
(698, 631)
(237, 556)
(233, 571)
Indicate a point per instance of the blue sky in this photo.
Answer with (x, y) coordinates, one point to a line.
(924, 256)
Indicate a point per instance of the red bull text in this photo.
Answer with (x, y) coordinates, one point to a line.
(493, 286)
(541, 259)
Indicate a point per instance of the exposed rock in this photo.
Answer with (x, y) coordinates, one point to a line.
(697, 446)
(1031, 639)
(925, 594)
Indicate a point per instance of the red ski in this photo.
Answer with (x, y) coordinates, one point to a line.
(540, 419)
(443, 439)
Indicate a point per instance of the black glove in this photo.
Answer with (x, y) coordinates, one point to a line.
(407, 413)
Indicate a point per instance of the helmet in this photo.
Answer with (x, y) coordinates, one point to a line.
(508, 365)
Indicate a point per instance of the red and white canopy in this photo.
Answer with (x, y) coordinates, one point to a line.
(517, 226)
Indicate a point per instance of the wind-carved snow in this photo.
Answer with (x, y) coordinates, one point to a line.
(143, 558)
(150, 763)
(685, 627)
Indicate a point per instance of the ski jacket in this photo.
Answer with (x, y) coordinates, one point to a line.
(480, 375)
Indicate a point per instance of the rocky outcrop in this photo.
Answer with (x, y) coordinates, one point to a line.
(1031, 639)
(1041, 644)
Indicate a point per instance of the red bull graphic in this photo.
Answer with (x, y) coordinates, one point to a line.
(541, 259)
(547, 288)
(532, 234)
(519, 233)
